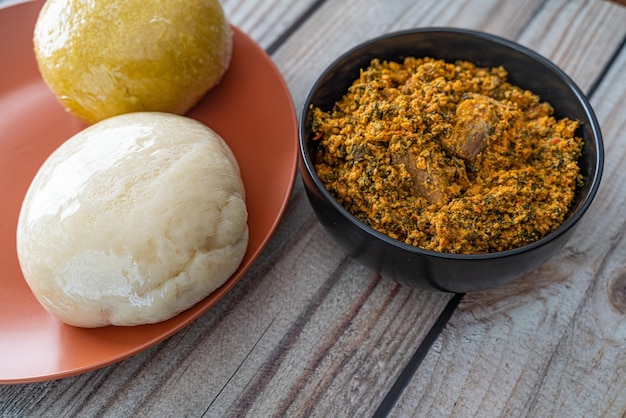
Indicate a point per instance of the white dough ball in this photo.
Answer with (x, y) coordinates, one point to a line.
(132, 221)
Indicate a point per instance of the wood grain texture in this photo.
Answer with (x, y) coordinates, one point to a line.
(553, 343)
(338, 26)
(593, 30)
(265, 21)
(309, 332)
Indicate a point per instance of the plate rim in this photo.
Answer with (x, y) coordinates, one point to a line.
(193, 313)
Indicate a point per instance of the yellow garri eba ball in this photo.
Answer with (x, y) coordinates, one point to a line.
(107, 57)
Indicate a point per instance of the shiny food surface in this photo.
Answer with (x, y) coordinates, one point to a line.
(37, 346)
(309, 332)
(103, 58)
(132, 221)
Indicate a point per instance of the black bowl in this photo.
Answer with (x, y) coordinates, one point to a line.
(414, 266)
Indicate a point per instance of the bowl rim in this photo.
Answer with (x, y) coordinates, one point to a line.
(594, 177)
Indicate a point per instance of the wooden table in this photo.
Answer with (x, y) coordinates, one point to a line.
(309, 332)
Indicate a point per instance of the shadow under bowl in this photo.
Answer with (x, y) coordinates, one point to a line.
(421, 268)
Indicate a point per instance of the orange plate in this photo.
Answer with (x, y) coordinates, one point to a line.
(251, 109)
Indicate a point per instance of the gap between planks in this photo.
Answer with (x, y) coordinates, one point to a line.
(394, 393)
(420, 353)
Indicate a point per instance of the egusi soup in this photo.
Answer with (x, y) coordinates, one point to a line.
(449, 157)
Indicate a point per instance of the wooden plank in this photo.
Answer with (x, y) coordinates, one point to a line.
(553, 343)
(337, 27)
(265, 404)
(585, 376)
(588, 36)
(137, 376)
(259, 335)
(265, 21)
(306, 330)
(289, 388)
(134, 373)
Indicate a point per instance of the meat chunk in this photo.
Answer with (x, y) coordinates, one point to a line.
(436, 183)
(475, 121)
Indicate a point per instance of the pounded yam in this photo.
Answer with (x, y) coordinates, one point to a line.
(132, 221)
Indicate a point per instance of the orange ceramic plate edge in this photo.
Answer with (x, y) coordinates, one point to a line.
(251, 109)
